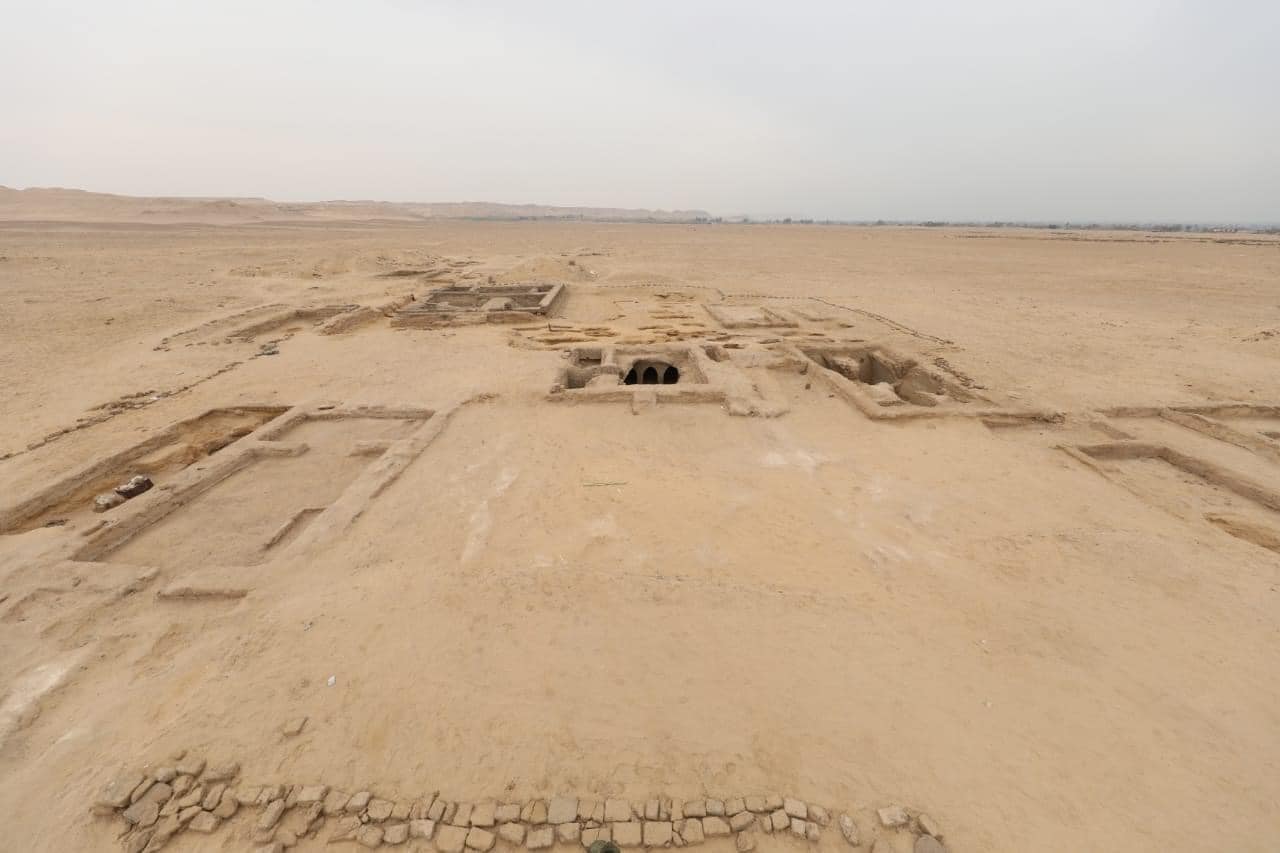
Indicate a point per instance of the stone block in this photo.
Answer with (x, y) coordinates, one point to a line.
(512, 833)
(224, 772)
(617, 810)
(213, 796)
(191, 766)
(598, 833)
(335, 802)
(481, 840)
(795, 808)
(143, 813)
(312, 794)
(562, 810)
(271, 815)
(691, 831)
(628, 833)
(535, 812)
(541, 838)
(714, 826)
(227, 806)
(345, 829)
(657, 833)
(484, 814)
(451, 839)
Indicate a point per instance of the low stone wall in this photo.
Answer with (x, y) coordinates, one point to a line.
(188, 795)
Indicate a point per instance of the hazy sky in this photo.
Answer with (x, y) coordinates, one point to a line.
(1117, 110)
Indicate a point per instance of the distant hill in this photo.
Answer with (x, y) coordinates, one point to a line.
(64, 205)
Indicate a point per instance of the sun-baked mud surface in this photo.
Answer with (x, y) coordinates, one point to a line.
(984, 527)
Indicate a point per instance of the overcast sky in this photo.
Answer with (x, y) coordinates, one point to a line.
(1117, 110)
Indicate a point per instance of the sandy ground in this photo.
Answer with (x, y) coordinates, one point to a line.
(1043, 650)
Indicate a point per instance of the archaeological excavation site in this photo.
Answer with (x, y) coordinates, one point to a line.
(471, 536)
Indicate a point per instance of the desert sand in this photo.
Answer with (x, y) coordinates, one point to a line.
(980, 524)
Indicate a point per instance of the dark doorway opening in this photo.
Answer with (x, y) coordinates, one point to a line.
(652, 372)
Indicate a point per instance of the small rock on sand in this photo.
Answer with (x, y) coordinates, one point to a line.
(106, 501)
(115, 794)
(849, 830)
(929, 844)
(892, 817)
